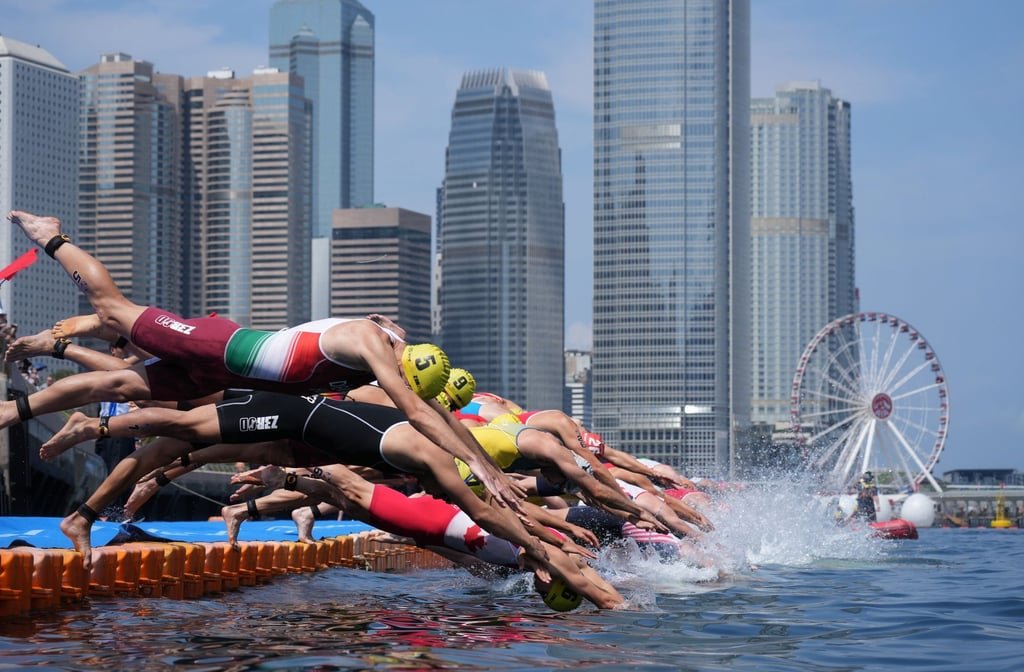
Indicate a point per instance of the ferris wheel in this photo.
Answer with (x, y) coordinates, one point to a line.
(869, 394)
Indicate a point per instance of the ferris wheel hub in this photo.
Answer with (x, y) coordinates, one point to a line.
(881, 406)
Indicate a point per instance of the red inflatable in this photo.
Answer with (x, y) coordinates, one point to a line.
(897, 528)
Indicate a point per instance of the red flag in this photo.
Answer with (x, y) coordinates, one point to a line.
(19, 264)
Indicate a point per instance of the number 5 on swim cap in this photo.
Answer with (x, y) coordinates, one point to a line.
(426, 369)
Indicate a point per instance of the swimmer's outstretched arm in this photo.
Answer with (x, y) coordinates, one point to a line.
(546, 518)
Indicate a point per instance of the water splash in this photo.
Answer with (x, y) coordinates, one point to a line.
(782, 522)
(642, 573)
(117, 514)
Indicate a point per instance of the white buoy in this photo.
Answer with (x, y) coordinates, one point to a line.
(884, 510)
(919, 509)
(848, 503)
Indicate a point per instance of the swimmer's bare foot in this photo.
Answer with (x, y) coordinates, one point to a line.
(77, 529)
(8, 332)
(233, 517)
(83, 325)
(79, 427)
(30, 346)
(141, 493)
(8, 414)
(38, 229)
(304, 519)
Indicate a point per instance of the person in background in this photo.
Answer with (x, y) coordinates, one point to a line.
(112, 449)
(867, 494)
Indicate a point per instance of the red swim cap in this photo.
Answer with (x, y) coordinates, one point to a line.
(593, 442)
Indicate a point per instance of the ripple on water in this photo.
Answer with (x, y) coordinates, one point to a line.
(820, 599)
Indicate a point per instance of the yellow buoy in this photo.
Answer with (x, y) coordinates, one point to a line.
(1001, 521)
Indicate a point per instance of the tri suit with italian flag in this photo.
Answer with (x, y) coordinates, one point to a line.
(199, 356)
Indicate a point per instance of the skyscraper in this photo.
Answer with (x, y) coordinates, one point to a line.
(130, 186)
(330, 43)
(39, 101)
(802, 228)
(503, 237)
(380, 261)
(671, 354)
(249, 142)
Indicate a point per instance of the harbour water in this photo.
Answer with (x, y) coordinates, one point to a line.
(795, 593)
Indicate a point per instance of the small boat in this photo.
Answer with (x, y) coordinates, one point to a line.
(897, 528)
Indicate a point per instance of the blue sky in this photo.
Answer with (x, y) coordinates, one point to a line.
(936, 92)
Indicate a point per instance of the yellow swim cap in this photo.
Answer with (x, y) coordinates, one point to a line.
(560, 598)
(460, 387)
(446, 401)
(426, 369)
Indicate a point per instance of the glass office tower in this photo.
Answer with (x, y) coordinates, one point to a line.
(671, 358)
(503, 238)
(39, 141)
(330, 43)
(802, 226)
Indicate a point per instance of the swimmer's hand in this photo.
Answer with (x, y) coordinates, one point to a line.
(584, 535)
(570, 546)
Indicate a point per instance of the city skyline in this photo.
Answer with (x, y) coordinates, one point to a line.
(932, 167)
(672, 317)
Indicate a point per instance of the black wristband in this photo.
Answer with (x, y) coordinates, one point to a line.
(120, 342)
(291, 479)
(54, 243)
(104, 426)
(161, 479)
(24, 410)
(59, 346)
(185, 460)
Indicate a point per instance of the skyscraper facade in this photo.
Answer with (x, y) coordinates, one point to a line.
(671, 353)
(578, 399)
(130, 179)
(802, 226)
(330, 44)
(381, 263)
(503, 237)
(39, 101)
(249, 144)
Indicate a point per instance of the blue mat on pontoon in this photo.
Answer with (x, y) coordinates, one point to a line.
(45, 532)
